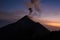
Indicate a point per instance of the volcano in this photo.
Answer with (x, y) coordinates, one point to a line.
(23, 29)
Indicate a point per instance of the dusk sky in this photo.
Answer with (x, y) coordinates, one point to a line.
(13, 10)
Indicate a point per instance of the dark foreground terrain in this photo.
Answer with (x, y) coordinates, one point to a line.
(26, 29)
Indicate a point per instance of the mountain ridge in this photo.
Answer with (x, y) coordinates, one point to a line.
(23, 29)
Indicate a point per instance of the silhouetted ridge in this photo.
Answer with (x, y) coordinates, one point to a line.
(55, 35)
(23, 29)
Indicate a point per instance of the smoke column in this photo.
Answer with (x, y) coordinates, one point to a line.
(35, 4)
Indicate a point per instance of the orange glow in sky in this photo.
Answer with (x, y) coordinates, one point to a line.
(47, 22)
(53, 24)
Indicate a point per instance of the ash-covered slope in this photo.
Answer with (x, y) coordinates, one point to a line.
(23, 29)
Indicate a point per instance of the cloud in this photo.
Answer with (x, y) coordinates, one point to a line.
(4, 22)
(11, 15)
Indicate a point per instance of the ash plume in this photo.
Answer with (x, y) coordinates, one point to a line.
(35, 4)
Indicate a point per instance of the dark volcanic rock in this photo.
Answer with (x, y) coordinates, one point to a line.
(23, 29)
